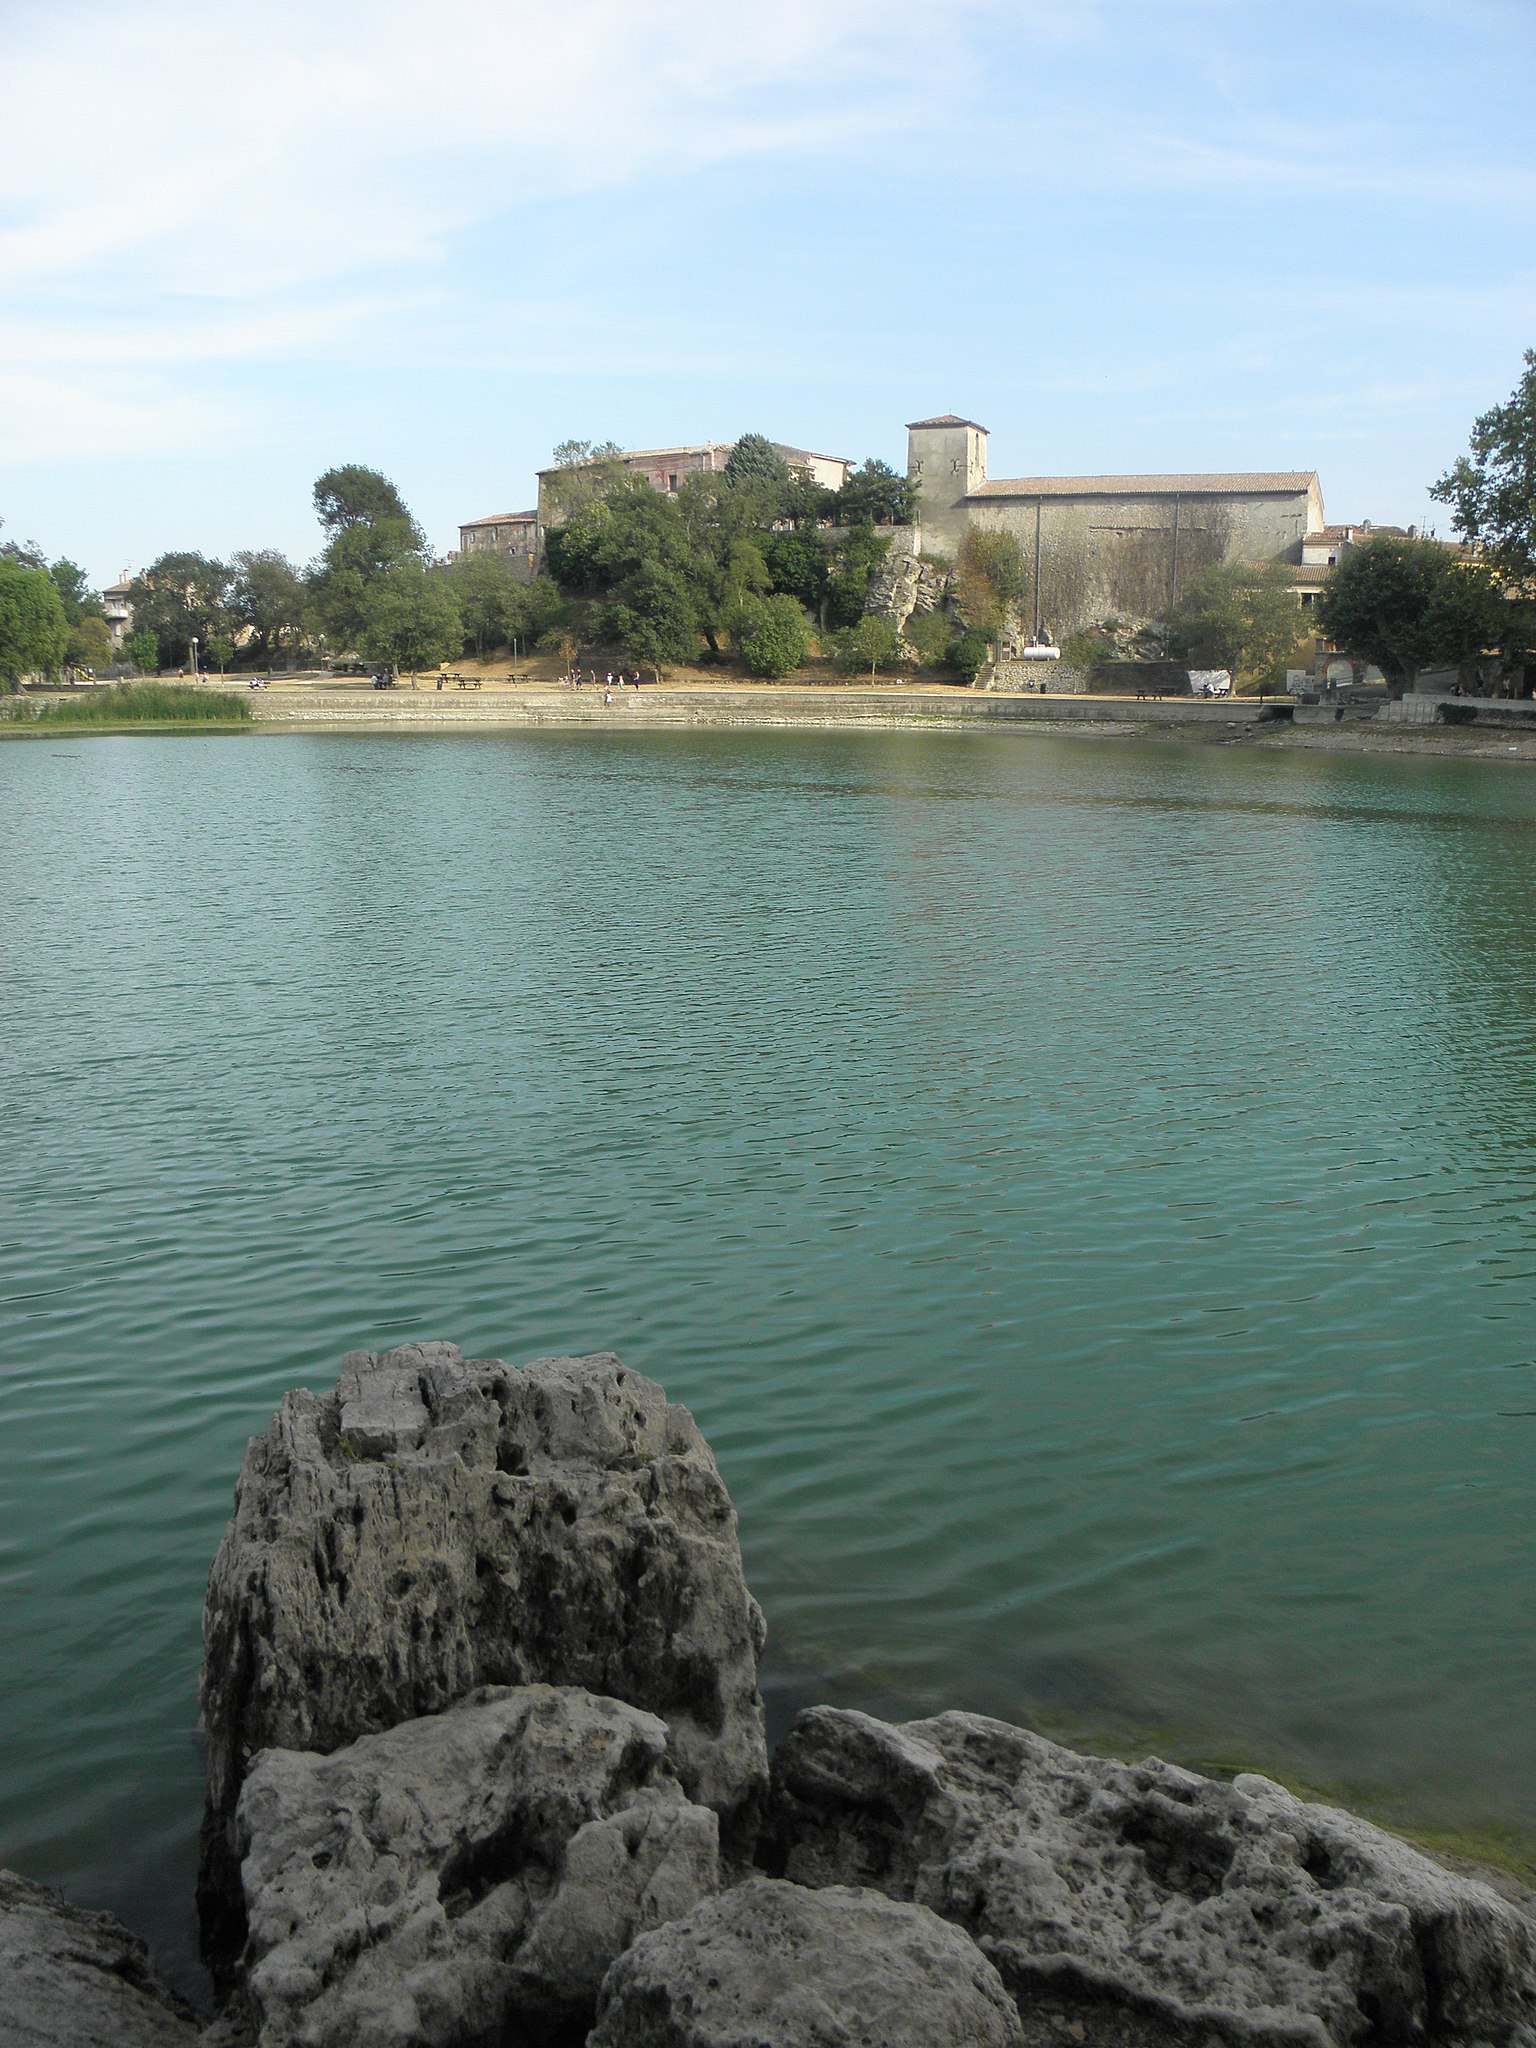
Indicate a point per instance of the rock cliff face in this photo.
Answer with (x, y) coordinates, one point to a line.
(74, 1979)
(1144, 1904)
(466, 1877)
(437, 1524)
(904, 587)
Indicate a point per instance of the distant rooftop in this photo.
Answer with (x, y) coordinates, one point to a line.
(499, 519)
(701, 448)
(1256, 480)
(946, 419)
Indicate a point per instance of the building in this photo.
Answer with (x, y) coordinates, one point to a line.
(665, 468)
(1102, 547)
(118, 610)
(514, 534)
(520, 535)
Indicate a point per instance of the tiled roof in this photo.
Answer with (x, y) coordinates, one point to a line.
(1256, 481)
(499, 519)
(947, 419)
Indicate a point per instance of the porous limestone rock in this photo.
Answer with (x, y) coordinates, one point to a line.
(464, 1878)
(440, 1523)
(770, 1965)
(75, 1979)
(1146, 1904)
(903, 587)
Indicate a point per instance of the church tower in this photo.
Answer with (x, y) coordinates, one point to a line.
(947, 460)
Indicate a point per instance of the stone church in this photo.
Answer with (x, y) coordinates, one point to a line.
(1102, 547)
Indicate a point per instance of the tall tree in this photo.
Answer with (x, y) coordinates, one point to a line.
(771, 636)
(754, 456)
(1409, 605)
(89, 644)
(179, 597)
(33, 629)
(371, 532)
(1492, 491)
(1240, 616)
(268, 598)
(492, 599)
(75, 592)
(410, 619)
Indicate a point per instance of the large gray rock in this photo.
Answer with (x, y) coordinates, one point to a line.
(437, 1524)
(74, 1979)
(466, 1878)
(770, 1965)
(1145, 1904)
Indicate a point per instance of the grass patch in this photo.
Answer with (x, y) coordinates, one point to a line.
(136, 704)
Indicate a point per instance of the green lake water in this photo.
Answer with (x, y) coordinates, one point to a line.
(1085, 1190)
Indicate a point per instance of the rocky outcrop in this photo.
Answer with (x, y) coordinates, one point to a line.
(440, 1523)
(74, 1979)
(465, 1878)
(902, 587)
(771, 1963)
(1148, 1905)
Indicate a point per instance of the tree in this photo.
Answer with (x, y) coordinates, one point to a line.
(798, 564)
(355, 496)
(25, 554)
(1493, 491)
(650, 616)
(875, 493)
(872, 640)
(1411, 604)
(371, 534)
(855, 555)
(771, 636)
(75, 594)
(89, 644)
(754, 458)
(410, 619)
(1240, 616)
(33, 630)
(267, 598)
(178, 598)
(989, 571)
(492, 598)
(143, 650)
(587, 471)
(969, 653)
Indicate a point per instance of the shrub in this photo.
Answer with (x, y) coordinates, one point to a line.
(970, 653)
(928, 633)
(871, 644)
(772, 636)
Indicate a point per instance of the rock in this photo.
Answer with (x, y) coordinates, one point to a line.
(75, 1979)
(465, 1878)
(437, 1524)
(1146, 1904)
(902, 587)
(770, 1965)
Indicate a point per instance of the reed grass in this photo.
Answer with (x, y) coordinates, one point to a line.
(136, 704)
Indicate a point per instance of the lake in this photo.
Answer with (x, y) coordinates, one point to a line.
(1084, 1188)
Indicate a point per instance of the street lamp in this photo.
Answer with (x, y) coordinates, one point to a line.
(194, 657)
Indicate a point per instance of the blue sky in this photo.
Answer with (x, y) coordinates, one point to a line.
(241, 243)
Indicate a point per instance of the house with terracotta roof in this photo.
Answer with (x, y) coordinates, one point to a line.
(1102, 547)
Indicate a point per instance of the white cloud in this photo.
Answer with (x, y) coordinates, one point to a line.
(187, 183)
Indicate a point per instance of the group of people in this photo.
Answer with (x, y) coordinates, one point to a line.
(613, 680)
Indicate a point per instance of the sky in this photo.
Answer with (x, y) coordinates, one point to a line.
(240, 244)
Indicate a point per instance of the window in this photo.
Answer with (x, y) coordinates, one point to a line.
(671, 483)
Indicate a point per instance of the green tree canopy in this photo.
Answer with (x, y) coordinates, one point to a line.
(755, 458)
(875, 493)
(33, 629)
(771, 636)
(409, 618)
(650, 615)
(492, 598)
(353, 495)
(179, 597)
(1411, 604)
(268, 597)
(1492, 491)
(75, 592)
(1240, 616)
(143, 650)
(89, 644)
(871, 644)
(371, 534)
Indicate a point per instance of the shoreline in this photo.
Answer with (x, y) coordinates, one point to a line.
(499, 705)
